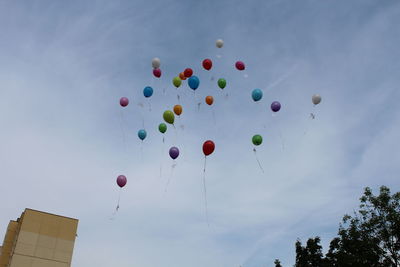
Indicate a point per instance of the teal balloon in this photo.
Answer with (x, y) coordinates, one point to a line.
(257, 94)
(142, 134)
(148, 91)
(194, 82)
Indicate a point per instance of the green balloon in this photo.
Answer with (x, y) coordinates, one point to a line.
(222, 83)
(257, 140)
(169, 116)
(177, 82)
(162, 127)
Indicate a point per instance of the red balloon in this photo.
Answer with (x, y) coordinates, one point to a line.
(207, 64)
(121, 180)
(124, 101)
(240, 65)
(157, 73)
(208, 147)
(188, 72)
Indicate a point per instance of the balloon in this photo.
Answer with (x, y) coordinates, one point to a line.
(178, 109)
(124, 101)
(209, 100)
(221, 83)
(257, 140)
(156, 63)
(208, 147)
(162, 127)
(188, 72)
(169, 116)
(142, 134)
(275, 106)
(182, 76)
(194, 82)
(173, 152)
(207, 64)
(148, 91)
(219, 43)
(157, 73)
(256, 94)
(316, 99)
(121, 181)
(177, 82)
(240, 65)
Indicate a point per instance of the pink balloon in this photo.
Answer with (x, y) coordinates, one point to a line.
(121, 181)
(157, 73)
(124, 101)
(240, 65)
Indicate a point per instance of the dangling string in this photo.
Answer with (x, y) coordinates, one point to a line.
(205, 190)
(123, 131)
(279, 132)
(117, 208)
(170, 176)
(149, 105)
(198, 106)
(258, 161)
(162, 153)
(213, 115)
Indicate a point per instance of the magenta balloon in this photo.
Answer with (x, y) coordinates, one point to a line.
(173, 152)
(121, 181)
(240, 65)
(124, 101)
(275, 106)
(157, 73)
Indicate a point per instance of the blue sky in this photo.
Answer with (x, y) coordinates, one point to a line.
(64, 66)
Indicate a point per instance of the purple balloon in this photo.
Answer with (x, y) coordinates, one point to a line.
(275, 106)
(173, 152)
(124, 101)
(121, 181)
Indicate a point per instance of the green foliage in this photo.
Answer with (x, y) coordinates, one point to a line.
(371, 237)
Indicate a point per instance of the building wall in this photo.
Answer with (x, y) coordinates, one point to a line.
(43, 240)
(8, 243)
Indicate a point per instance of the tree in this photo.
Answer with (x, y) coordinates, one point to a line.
(311, 255)
(277, 263)
(371, 237)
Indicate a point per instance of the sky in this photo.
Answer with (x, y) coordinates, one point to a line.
(64, 138)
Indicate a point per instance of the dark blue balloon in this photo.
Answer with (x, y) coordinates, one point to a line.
(148, 91)
(142, 134)
(257, 94)
(194, 82)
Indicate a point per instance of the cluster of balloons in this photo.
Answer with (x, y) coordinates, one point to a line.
(193, 82)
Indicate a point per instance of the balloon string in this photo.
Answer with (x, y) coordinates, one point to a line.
(213, 115)
(141, 151)
(123, 132)
(162, 153)
(258, 161)
(205, 190)
(117, 208)
(170, 176)
(149, 106)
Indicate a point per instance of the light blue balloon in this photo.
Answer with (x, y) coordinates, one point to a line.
(142, 134)
(148, 91)
(194, 82)
(257, 94)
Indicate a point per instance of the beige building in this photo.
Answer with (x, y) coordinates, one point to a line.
(39, 239)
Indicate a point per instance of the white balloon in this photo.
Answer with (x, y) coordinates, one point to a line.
(219, 43)
(156, 63)
(316, 99)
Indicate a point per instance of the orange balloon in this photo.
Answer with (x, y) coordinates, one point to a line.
(209, 100)
(182, 76)
(178, 109)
